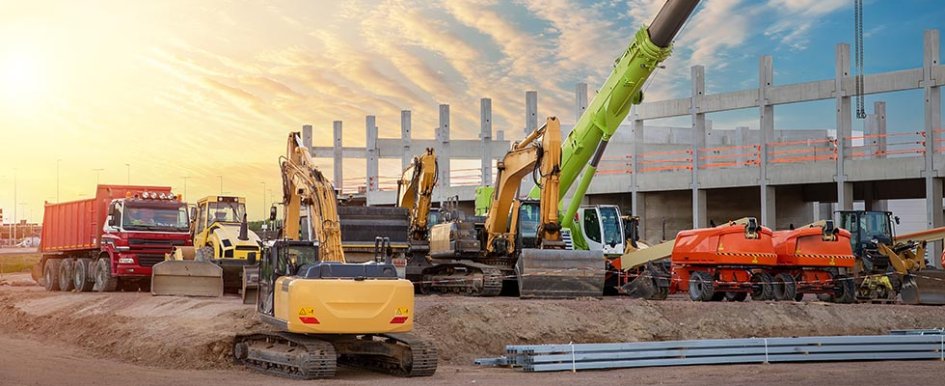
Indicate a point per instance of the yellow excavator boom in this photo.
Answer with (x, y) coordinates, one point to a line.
(306, 188)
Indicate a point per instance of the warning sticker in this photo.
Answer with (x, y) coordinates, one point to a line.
(403, 311)
(306, 311)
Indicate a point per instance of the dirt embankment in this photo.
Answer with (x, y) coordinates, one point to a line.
(174, 332)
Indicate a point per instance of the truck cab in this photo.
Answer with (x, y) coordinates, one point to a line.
(602, 228)
(140, 229)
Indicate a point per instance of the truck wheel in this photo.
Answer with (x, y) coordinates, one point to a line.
(736, 296)
(51, 275)
(65, 275)
(761, 288)
(701, 287)
(785, 288)
(104, 282)
(845, 289)
(81, 278)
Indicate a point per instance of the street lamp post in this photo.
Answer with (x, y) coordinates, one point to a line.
(128, 171)
(98, 173)
(264, 199)
(221, 185)
(59, 160)
(14, 206)
(185, 185)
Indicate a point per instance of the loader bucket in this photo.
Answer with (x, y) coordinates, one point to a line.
(560, 274)
(186, 278)
(250, 289)
(926, 287)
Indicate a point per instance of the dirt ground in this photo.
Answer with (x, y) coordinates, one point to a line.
(135, 338)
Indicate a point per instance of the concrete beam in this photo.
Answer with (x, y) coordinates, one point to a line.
(485, 135)
(338, 152)
(700, 218)
(879, 112)
(580, 100)
(844, 123)
(531, 112)
(766, 125)
(699, 212)
(933, 125)
(307, 137)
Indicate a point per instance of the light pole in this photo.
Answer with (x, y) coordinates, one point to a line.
(97, 174)
(185, 185)
(14, 206)
(221, 185)
(59, 160)
(128, 166)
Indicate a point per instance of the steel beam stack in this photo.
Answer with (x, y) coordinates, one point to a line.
(573, 357)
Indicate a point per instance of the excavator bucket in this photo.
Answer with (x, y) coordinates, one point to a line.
(560, 274)
(186, 278)
(925, 287)
(250, 286)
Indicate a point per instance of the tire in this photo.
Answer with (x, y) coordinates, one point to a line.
(761, 288)
(845, 289)
(798, 297)
(718, 296)
(65, 275)
(785, 287)
(51, 275)
(701, 287)
(736, 296)
(104, 282)
(81, 277)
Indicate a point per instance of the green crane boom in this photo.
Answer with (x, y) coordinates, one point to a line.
(584, 147)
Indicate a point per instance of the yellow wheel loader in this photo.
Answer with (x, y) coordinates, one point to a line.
(326, 311)
(222, 259)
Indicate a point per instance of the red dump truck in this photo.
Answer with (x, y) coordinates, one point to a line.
(110, 242)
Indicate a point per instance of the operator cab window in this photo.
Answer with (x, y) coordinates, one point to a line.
(592, 225)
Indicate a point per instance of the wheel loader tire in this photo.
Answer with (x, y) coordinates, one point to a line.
(736, 296)
(104, 282)
(701, 287)
(785, 287)
(51, 275)
(81, 277)
(65, 275)
(761, 288)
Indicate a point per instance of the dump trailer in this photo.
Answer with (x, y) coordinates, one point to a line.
(814, 259)
(326, 311)
(111, 241)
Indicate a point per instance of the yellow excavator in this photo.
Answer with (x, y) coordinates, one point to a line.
(415, 194)
(325, 311)
(521, 240)
(221, 237)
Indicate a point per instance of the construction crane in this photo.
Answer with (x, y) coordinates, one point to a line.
(325, 311)
(519, 239)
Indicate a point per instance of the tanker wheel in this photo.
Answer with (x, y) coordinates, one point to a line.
(761, 288)
(736, 296)
(65, 275)
(845, 289)
(785, 287)
(81, 279)
(104, 282)
(701, 287)
(51, 275)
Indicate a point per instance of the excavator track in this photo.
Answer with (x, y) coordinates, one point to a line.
(462, 277)
(403, 355)
(286, 355)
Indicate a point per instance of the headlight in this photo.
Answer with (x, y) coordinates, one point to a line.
(126, 260)
(163, 196)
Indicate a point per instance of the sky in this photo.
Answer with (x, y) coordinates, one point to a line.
(183, 92)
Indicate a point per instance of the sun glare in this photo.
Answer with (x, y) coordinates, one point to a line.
(22, 78)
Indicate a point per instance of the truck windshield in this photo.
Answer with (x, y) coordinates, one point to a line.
(226, 212)
(153, 217)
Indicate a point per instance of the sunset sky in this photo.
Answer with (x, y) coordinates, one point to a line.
(201, 89)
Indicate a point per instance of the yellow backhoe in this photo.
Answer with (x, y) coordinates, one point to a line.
(325, 311)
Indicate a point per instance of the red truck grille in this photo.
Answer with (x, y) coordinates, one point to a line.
(154, 243)
(149, 260)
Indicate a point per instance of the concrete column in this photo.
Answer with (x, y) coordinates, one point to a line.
(338, 155)
(531, 112)
(405, 123)
(485, 135)
(372, 168)
(879, 112)
(638, 208)
(443, 141)
(766, 124)
(307, 137)
(580, 101)
(822, 211)
(699, 214)
(933, 122)
(844, 124)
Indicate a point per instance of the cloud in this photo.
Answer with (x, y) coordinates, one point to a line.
(795, 19)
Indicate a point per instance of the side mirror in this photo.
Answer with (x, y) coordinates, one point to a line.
(110, 221)
(897, 219)
(272, 213)
(193, 213)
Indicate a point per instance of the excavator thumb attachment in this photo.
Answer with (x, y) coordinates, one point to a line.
(186, 278)
(925, 287)
(560, 273)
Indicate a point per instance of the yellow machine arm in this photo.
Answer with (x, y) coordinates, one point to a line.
(306, 188)
(518, 162)
(415, 192)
